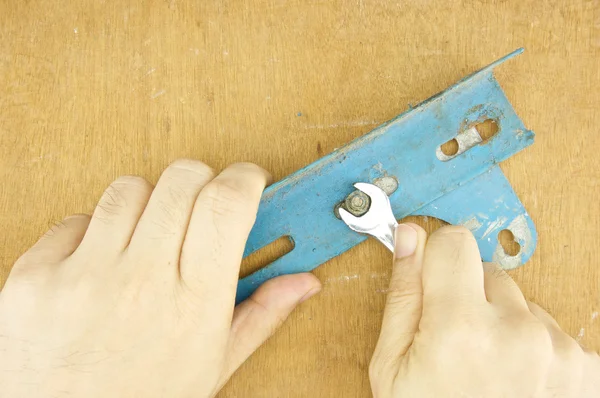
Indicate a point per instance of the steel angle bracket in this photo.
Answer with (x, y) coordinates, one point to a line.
(467, 188)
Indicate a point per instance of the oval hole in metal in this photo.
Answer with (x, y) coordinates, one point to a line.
(487, 129)
(450, 148)
(474, 135)
(266, 255)
(509, 244)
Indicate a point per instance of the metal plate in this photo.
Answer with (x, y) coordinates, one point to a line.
(467, 189)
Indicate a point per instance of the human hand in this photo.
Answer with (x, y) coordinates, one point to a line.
(138, 300)
(454, 328)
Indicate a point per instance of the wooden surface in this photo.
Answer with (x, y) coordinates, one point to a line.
(90, 90)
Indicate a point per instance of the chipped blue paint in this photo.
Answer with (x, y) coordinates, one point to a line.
(469, 189)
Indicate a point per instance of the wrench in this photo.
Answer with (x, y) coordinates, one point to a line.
(378, 221)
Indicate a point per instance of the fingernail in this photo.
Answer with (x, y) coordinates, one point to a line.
(406, 241)
(310, 293)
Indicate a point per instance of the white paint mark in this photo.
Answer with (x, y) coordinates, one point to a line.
(594, 315)
(497, 223)
(37, 159)
(355, 123)
(343, 278)
(268, 97)
(379, 168)
(225, 52)
(472, 224)
(151, 71)
(157, 94)
(580, 334)
(75, 30)
(195, 51)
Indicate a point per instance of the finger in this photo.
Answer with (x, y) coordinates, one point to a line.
(452, 270)
(564, 345)
(590, 381)
(404, 304)
(543, 316)
(568, 354)
(257, 318)
(117, 214)
(223, 216)
(58, 243)
(163, 224)
(501, 289)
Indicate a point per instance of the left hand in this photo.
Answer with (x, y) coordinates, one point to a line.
(138, 299)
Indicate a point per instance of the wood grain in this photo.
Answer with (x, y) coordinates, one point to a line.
(90, 90)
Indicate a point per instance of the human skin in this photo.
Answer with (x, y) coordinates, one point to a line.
(454, 327)
(138, 300)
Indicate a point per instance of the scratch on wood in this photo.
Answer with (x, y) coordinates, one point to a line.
(355, 123)
(158, 94)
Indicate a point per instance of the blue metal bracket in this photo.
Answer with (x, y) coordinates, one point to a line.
(467, 188)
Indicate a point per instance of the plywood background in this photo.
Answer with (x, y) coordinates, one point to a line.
(90, 90)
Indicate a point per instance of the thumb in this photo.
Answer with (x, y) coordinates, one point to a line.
(404, 303)
(257, 318)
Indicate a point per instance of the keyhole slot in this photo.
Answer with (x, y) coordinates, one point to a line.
(474, 135)
(508, 242)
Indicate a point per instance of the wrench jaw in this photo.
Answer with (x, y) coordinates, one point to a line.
(356, 224)
(381, 208)
(378, 198)
(378, 221)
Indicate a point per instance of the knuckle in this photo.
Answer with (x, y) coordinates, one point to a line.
(457, 233)
(249, 167)
(374, 372)
(496, 272)
(462, 331)
(532, 337)
(273, 320)
(65, 224)
(381, 363)
(124, 192)
(169, 214)
(456, 245)
(252, 173)
(129, 181)
(571, 351)
(538, 331)
(111, 203)
(77, 218)
(194, 166)
(400, 293)
(226, 197)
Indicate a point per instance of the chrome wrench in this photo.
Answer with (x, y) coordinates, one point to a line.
(378, 221)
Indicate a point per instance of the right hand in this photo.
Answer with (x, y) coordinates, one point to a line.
(453, 327)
